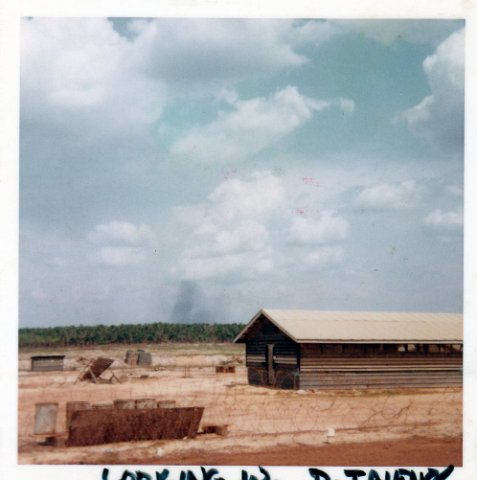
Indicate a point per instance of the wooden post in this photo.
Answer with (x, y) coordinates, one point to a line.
(271, 370)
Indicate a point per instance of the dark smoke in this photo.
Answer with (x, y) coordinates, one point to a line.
(191, 305)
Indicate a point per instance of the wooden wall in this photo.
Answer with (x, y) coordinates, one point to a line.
(307, 366)
(382, 366)
(285, 356)
(47, 363)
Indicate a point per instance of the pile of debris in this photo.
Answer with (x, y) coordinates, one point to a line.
(138, 357)
(227, 366)
(95, 368)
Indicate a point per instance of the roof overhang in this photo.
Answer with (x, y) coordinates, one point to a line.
(240, 338)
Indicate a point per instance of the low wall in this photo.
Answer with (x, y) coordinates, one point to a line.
(93, 427)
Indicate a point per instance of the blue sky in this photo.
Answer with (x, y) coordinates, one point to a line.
(197, 170)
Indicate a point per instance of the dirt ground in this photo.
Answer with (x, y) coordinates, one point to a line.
(419, 427)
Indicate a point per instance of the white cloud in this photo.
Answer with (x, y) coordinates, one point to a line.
(252, 125)
(327, 228)
(439, 117)
(231, 236)
(234, 237)
(119, 243)
(112, 86)
(119, 256)
(120, 232)
(216, 240)
(243, 265)
(227, 95)
(391, 196)
(201, 52)
(190, 215)
(324, 256)
(82, 68)
(254, 198)
(346, 105)
(445, 221)
(314, 32)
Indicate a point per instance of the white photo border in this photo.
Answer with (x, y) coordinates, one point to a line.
(10, 15)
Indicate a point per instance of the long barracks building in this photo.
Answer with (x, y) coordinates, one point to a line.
(304, 349)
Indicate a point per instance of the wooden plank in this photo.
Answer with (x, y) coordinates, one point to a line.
(270, 366)
(281, 360)
(380, 368)
(381, 359)
(378, 379)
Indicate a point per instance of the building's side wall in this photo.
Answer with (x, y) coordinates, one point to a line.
(46, 364)
(285, 357)
(383, 366)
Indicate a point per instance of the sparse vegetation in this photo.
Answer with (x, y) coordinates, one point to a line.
(127, 334)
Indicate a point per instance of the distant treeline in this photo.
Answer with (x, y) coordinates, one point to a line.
(140, 333)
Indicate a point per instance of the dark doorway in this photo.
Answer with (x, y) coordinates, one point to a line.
(270, 364)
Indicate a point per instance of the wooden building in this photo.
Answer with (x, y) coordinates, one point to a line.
(47, 363)
(303, 349)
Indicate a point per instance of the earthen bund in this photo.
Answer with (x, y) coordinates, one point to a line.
(93, 427)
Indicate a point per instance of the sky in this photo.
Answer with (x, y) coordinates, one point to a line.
(196, 170)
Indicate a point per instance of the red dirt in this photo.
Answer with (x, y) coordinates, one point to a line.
(408, 426)
(418, 451)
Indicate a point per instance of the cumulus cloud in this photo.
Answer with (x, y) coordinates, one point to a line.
(322, 256)
(83, 62)
(252, 125)
(391, 196)
(231, 235)
(119, 256)
(101, 95)
(439, 117)
(245, 236)
(120, 232)
(214, 50)
(327, 228)
(83, 68)
(241, 265)
(203, 53)
(120, 243)
(345, 104)
(445, 221)
(253, 198)
(313, 32)
(245, 223)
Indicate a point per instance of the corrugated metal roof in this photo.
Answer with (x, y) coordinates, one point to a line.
(314, 326)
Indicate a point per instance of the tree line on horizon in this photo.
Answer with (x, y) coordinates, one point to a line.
(129, 333)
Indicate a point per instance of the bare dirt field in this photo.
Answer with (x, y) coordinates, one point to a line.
(419, 427)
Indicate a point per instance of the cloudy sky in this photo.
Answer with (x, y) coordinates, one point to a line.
(197, 170)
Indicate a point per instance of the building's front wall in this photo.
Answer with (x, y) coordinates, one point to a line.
(47, 363)
(377, 365)
(271, 357)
